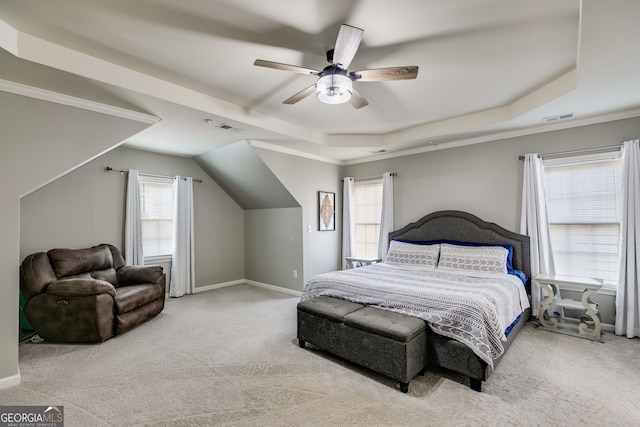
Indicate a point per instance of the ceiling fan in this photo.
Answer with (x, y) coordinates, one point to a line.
(335, 83)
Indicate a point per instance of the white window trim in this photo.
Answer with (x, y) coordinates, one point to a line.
(164, 180)
(363, 183)
(607, 289)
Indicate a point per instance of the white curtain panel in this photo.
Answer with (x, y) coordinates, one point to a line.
(183, 258)
(386, 220)
(628, 295)
(132, 223)
(348, 220)
(534, 222)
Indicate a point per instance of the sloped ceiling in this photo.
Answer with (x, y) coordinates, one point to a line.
(45, 140)
(245, 177)
(234, 165)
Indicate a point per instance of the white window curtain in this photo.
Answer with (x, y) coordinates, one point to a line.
(534, 222)
(386, 220)
(628, 294)
(132, 224)
(348, 220)
(183, 258)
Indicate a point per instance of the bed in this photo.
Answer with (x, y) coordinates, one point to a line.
(464, 337)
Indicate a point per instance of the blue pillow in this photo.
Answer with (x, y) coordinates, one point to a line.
(519, 274)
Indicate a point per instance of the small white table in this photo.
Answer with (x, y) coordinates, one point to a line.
(359, 261)
(589, 324)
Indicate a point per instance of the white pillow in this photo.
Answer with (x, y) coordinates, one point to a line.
(473, 259)
(403, 254)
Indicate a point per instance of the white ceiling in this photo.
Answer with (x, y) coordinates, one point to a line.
(486, 67)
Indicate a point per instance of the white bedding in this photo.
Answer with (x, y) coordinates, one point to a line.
(474, 310)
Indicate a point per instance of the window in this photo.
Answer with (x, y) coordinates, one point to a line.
(584, 200)
(156, 206)
(368, 211)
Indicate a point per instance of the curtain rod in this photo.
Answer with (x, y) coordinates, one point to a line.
(584, 151)
(122, 171)
(371, 178)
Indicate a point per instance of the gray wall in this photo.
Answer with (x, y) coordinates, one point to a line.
(486, 179)
(273, 246)
(39, 142)
(86, 207)
(304, 178)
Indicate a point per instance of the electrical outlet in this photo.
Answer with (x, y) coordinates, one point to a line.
(295, 274)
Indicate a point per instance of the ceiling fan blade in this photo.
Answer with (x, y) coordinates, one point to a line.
(347, 44)
(357, 100)
(382, 74)
(285, 67)
(301, 95)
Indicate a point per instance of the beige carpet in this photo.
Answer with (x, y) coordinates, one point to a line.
(229, 357)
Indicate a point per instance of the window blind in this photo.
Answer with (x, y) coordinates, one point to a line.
(156, 204)
(368, 212)
(583, 197)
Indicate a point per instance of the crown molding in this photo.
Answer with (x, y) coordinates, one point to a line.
(72, 101)
(284, 150)
(621, 115)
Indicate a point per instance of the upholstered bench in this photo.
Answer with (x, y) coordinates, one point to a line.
(392, 344)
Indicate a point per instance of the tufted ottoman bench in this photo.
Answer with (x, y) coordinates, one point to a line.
(392, 344)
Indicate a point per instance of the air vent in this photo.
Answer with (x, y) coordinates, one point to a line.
(558, 117)
(225, 126)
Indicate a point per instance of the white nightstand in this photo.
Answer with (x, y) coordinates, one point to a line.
(353, 262)
(589, 324)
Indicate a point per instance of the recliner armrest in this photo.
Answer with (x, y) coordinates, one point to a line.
(80, 287)
(138, 274)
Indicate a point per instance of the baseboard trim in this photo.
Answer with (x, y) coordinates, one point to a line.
(9, 382)
(273, 288)
(217, 286)
(248, 282)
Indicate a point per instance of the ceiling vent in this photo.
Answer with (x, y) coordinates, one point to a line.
(558, 117)
(225, 126)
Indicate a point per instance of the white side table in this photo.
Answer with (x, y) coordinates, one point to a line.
(360, 262)
(589, 324)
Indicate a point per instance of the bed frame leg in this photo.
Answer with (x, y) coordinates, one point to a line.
(476, 385)
(301, 343)
(404, 387)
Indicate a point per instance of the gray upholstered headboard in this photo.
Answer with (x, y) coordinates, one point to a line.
(464, 227)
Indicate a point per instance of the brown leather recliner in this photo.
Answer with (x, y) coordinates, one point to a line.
(88, 295)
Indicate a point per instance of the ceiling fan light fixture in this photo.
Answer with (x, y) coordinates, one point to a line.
(334, 89)
(335, 83)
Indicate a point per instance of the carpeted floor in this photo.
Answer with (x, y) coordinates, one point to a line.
(229, 357)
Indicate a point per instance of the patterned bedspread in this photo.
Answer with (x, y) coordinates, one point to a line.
(473, 310)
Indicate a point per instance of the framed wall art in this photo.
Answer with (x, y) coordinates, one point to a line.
(326, 211)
